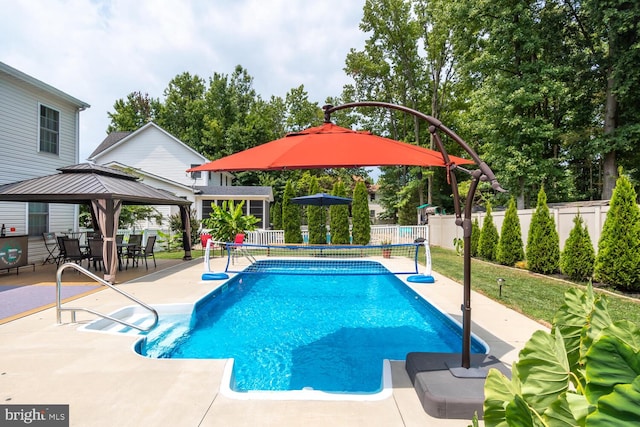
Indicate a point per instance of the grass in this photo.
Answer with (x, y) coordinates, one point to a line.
(535, 296)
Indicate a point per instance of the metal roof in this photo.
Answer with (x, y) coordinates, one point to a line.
(85, 182)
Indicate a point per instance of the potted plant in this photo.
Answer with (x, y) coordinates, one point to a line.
(386, 248)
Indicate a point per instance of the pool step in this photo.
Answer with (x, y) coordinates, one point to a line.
(135, 315)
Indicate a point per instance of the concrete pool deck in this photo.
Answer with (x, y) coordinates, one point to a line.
(105, 383)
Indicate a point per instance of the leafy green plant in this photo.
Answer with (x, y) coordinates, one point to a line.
(458, 244)
(578, 256)
(543, 242)
(618, 259)
(585, 372)
(227, 220)
(487, 246)
(509, 249)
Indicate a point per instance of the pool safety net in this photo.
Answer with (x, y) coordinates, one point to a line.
(331, 259)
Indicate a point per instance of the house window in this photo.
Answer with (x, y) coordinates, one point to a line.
(38, 218)
(49, 130)
(195, 175)
(372, 197)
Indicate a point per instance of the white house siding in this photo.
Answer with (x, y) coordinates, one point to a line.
(20, 158)
(155, 152)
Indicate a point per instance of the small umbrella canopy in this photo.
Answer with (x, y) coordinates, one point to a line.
(328, 146)
(321, 199)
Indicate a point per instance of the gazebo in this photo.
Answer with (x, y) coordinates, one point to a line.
(105, 190)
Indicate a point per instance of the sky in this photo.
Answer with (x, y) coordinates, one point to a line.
(99, 51)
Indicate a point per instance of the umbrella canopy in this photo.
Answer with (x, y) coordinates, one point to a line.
(321, 199)
(328, 146)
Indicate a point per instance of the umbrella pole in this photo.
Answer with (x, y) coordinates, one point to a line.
(483, 172)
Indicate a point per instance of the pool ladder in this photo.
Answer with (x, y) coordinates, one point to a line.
(60, 309)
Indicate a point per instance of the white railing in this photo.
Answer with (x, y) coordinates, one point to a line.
(393, 234)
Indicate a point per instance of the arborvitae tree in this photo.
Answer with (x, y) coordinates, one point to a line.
(618, 259)
(290, 216)
(578, 257)
(276, 216)
(488, 244)
(475, 236)
(317, 216)
(543, 243)
(360, 215)
(339, 221)
(510, 245)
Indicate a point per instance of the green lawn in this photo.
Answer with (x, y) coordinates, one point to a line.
(535, 296)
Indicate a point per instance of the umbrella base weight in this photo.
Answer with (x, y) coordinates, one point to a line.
(447, 390)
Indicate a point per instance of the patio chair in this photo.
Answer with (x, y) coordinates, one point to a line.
(63, 253)
(133, 247)
(95, 254)
(73, 251)
(51, 244)
(147, 251)
(238, 250)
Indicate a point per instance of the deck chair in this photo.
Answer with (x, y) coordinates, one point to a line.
(51, 244)
(61, 250)
(95, 254)
(238, 250)
(73, 252)
(147, 251)
(133, 249)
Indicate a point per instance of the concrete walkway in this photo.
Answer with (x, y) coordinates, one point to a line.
(107, 384)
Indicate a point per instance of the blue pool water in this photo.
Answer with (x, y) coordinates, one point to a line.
(309, 328)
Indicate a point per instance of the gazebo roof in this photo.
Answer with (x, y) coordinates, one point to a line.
(84, 182)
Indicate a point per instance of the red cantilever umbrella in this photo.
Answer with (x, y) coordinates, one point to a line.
(328, 146)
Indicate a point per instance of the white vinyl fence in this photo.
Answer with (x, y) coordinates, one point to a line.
(443, 228)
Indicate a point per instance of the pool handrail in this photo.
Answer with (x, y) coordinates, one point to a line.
(60, 309)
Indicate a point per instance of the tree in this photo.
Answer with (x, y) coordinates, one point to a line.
(618, 259)
(276, 216)
(510, 244)
(360, 215)
(290, 216)
(135, 112)
(488, 244)
(543, 243)
(475, 236)
(578, 257)
(317, 218)
(339, 218)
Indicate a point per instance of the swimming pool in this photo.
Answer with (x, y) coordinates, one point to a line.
(308, 328)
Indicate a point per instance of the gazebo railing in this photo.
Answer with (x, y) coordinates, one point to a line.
(73, 310)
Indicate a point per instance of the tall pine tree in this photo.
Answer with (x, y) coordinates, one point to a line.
(543, 243)
(290, 216)
(317, 216)
(510, 245)
(618, 259)
(339, 220)
(360, 215)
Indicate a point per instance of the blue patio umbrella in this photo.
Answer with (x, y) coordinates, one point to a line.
(321, 199)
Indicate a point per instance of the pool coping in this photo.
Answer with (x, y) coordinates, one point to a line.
(47, 363)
